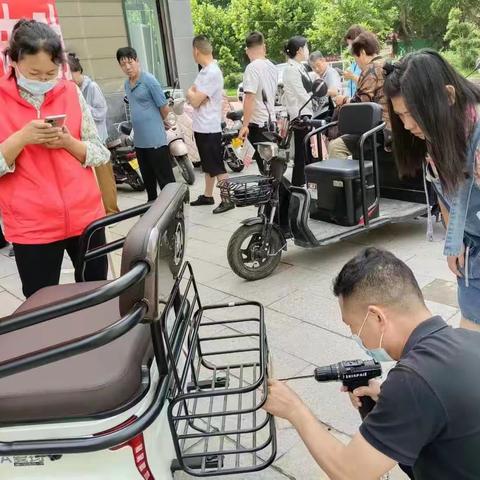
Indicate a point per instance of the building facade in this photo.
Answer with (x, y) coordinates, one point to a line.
(160, 30)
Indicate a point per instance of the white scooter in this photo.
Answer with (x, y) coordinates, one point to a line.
(175, 138)
(134, 378)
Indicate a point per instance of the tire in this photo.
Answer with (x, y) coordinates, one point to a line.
(234, 163)
(186, 167)
(134, 180)
(238, 257)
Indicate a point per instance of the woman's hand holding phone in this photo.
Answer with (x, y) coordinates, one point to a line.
(37, 132)
(63, 140)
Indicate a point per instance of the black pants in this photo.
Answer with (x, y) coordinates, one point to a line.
(3, 241)
(298, 174)
(156, 167)
(255, 136)
(40, 265)
(209, 146)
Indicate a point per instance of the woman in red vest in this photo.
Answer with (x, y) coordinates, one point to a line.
(48, 191)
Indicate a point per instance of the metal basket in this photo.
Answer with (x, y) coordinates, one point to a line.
(246, 190)
(219, 385)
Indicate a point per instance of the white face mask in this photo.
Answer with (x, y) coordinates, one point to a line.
(379, 354)
(35, 87)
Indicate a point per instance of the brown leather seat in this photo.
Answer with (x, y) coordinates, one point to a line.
(91, 383)
(109, 377)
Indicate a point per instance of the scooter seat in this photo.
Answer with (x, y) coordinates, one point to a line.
(336, 167)
(235, 115)
(93, 383)
(124, 150)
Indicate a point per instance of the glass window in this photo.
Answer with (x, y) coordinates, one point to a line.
(146, 37)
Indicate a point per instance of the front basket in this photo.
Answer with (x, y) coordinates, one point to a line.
(219, 385)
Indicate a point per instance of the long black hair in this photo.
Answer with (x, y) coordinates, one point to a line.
(421, 79)
(294, 45)
(30, 37)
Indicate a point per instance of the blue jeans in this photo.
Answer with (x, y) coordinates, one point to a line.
(469, 284)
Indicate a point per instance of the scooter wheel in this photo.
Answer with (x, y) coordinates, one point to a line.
(186, 168)
(135, 182)
(247, 256)
(235, 165)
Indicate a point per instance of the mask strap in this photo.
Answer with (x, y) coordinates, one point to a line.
(381, 340)
(363, 324)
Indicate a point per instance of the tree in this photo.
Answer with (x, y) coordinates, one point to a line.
(463, 36)
(215, 22)
(333, 18)
(278, 20)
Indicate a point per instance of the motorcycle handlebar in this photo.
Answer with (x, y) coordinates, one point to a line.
(307, 122)
(316, 123)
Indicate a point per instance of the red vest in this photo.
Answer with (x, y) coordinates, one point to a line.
(50, 196)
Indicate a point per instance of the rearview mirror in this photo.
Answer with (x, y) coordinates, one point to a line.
(319, 88)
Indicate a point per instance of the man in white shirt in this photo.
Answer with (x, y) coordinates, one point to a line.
(206, 97)
(260, 87)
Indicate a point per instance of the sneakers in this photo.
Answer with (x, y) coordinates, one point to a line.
(224, 206)
(202, 200)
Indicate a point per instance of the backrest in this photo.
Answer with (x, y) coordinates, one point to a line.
(158, 238)
(358, 118)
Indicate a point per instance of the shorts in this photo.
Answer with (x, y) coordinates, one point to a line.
(209, 146)
(469, 295)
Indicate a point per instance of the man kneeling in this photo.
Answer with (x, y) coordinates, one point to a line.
(427, 414)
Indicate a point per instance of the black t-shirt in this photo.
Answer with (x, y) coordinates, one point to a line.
(428, 412)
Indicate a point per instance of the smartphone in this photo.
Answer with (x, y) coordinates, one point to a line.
(56, 120)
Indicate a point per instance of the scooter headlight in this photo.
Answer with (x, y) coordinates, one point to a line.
(267, 150)
(171, 120)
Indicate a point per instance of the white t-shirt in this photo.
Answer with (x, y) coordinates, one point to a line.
(207, 118)
(261, 74)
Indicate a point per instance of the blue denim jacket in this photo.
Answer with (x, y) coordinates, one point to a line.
(464, 206)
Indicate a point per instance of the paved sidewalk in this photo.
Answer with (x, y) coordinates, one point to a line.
(303, 320)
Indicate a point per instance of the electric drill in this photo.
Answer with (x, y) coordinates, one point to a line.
(353, 374)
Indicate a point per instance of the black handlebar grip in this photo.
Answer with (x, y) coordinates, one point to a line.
(316, 123)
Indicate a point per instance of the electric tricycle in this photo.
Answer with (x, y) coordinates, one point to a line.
(131, 378)
(342, 198)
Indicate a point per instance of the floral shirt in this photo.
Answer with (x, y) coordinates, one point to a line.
(370, 87)
(97, 153)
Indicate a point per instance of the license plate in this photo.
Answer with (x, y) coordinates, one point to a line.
(134, 163)
(23, 461)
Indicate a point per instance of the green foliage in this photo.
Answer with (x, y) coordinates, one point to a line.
(421, 19)
(453, 24)
(463, 36)
(333, 19)
(215, 22)
(232, 80)
(278, 20)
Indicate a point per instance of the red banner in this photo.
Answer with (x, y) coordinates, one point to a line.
(11, 11)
